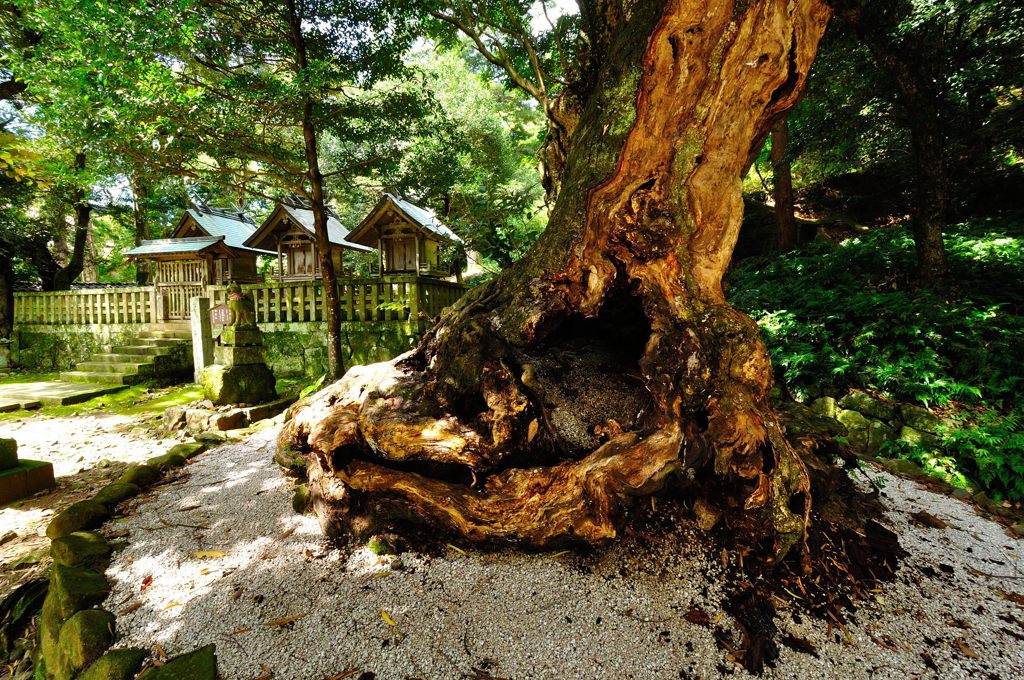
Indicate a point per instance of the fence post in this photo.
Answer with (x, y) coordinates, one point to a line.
(202, 334)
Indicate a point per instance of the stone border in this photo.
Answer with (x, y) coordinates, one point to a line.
(74, 636)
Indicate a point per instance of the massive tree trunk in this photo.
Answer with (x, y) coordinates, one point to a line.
(782, 186)
(67, 274)
(332, 308)
(607, 360)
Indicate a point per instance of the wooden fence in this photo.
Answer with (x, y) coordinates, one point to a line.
(87, 306)
(389, 298)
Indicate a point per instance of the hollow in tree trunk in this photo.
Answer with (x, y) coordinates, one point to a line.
(607, 360)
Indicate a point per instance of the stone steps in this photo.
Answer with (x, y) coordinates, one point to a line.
(151, 354)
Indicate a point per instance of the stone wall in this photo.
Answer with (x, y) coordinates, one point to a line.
(301, 348)
(60, 347)
(290, 348)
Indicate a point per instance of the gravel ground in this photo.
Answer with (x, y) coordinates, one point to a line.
(219, 556)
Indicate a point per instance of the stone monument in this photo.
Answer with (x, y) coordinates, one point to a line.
(21, 478)
(239, 374)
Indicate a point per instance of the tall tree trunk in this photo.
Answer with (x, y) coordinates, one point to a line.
(910, 69)
(332, 308)
(782, 185)
(607, 360)
(140, 191)
(67, 274)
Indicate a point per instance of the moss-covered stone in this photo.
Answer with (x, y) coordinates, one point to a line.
(250, 384)
(920, 418)
(75, 588)
(189, 450)
(115, 492)
(300, 499)
(866, 404)
(116, 664)
(379, 545)
(8, 453)
(166, 461)
(825, 406)
(801, 421)
(79, 548)
(902, 467)
(83, 639)
(76, 517)
(918, 438)
(140, 475)
(198, 665)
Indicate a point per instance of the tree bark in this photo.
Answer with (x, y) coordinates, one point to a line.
(332, 308)
(607, 360)
(67, 274)
(6, 307)
(140, 191)
(782, 186)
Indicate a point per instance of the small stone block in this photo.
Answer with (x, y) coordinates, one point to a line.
(198, 665)
(166, 461)
(72, 589)
(116, 664)
(24, 479)
(140, 475)
(79, 547)
(115, 492)
(189, 450)
(251, 384)
(8, 453)
(83, 639)
(76, 517)
(230, 355)
(241, 336)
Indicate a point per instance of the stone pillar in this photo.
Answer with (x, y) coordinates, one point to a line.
(202, 334)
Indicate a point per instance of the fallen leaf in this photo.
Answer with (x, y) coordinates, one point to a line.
(1012, 597)
(267, 674)
(172, 605)
(159, 650)
(286, 620)
(698, 616)
(531, 430)
(130, 608)
(204, 571)
(456, 549)
(926, 519)
(242, 629)
(965, 649)
(146, 582)
(929, 662)
(387, 618)
(286, 533)
(200, 554)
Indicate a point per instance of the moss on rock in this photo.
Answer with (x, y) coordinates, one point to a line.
(75, 588)
(166, 461)
(248, 384)
(140, 475)
(300, 499)
(189, 450)
(115, 492)
(76, 517)
(83, 639)
(78, 548)
(116, 664)
(198, 665)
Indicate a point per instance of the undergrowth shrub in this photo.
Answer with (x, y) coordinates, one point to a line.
(850, 315)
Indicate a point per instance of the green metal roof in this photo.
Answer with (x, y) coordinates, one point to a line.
(234, 226)
(170, 246)
(424, 217)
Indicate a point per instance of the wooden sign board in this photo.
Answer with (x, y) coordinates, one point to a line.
(220, 315)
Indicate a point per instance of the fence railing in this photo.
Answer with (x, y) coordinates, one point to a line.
(388, 298)
(87, 306)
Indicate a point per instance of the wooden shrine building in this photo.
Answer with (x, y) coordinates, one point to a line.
(408, 238)
(288, 232)
(207, 247)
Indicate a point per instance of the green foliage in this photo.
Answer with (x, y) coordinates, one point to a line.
(847, 315)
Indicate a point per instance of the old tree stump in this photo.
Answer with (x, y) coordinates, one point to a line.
(607, 362)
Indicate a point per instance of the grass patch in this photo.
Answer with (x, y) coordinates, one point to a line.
(138, 400)
(850, 315)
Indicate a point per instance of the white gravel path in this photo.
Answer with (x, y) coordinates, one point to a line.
(618, 614)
